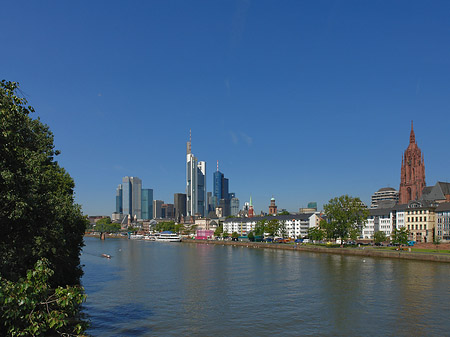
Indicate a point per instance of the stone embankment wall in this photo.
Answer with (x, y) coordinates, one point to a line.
(357, 251)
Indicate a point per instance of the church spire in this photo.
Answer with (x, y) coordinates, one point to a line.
(412, 136)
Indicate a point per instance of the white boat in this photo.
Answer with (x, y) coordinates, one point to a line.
(168, 237)
(136, 236)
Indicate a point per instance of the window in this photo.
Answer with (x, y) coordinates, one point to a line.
(424, 218)
(420, 218)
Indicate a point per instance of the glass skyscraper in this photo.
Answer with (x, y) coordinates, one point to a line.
(131, 196)
(195, 184)
(147, 203)
(119, 199)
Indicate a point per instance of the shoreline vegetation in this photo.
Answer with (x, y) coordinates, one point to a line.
(356, 251)
(367, 251)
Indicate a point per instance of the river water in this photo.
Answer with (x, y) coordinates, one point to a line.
(181, 289)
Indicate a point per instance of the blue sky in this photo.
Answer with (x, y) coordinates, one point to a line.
(300, 100)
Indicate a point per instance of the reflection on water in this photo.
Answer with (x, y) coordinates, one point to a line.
(153, 288)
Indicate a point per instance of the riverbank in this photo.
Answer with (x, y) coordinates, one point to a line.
(357, 251)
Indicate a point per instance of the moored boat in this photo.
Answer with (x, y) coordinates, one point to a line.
(168, 236)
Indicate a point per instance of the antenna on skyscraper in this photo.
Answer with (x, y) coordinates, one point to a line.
(188, 147)
(217, 166)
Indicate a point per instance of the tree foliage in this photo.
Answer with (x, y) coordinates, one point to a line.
(38, 216)
(315, 233)
(379, 236)
(400, 236)
(219, 230)
(260, 227)
(346, 215)
(39, 221)
(272, 227)
(30, 307)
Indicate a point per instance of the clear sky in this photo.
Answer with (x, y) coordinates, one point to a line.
(300, 100)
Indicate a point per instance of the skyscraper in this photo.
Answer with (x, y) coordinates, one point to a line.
(147, 203)
(119, 199)
(179, 201)
(234, 206)
(157, 207)
(131, 196)
(221, 196)
(195, 183)
(412, 176)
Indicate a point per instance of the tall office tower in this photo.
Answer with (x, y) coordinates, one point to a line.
(131, 196)
(157, 205)
(225, 204)
(209, 202)
(234, 206)
(147, 203)
(412, 176)
(167, 211)
(220, 191)
(119, 199)
(195, 184)
(201, 188)
(179, 202)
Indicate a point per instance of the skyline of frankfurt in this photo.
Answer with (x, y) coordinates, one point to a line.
(300, 101)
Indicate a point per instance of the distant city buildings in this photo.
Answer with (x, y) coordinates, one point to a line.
(133, 201)
(195, 184)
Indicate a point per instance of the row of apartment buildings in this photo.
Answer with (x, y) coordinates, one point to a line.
(425, 221)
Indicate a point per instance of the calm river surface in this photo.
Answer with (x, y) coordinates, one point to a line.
(163, 289)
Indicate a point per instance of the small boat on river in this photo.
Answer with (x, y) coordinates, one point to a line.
(106, 256)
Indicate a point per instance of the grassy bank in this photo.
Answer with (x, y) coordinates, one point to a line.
(384, 252)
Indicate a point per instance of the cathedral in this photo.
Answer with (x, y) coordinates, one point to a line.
(412, 179)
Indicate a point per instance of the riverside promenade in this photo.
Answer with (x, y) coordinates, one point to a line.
(356, 251)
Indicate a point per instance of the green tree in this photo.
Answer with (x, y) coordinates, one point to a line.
(379, 236)
(103, 221)
(218, 231)
(30, 307)
(235, 235)
(346, 216)
(260, 227)
(400, 236)
(38, 216)
(112, 228)
(251, 236)
(282, 230)
(284, 213)
(315, 233)
(328, 229)
(225, 235)
(272, 227)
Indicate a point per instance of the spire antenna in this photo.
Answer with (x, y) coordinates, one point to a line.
(217, 166)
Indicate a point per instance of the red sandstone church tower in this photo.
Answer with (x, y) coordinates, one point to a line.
(272, 207)
(412, 178)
